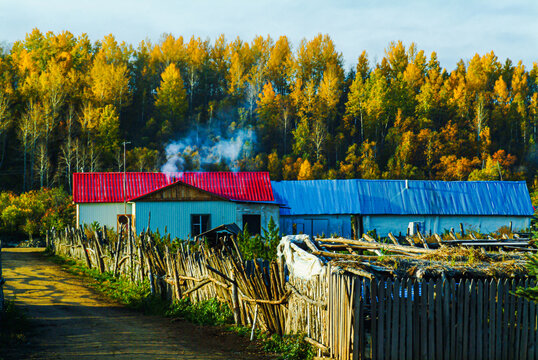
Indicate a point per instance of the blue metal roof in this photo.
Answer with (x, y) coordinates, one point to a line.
(413, 197)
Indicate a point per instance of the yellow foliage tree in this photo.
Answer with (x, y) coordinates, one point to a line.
(305, 171)
(171, 97)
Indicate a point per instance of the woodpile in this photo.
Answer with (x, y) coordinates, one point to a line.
(370, 258)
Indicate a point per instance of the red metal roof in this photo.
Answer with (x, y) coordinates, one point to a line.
(108, 187)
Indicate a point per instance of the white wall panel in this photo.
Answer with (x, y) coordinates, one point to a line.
(103, 213)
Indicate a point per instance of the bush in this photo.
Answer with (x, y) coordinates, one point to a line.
(260, 247)
(35, 212)
(530, 293)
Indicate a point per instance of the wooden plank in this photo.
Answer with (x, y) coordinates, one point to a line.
(357, 331)
(403, 318)
(329, 319)
(424, 321)
(422, 240)
(84, 250)
(472, 321)
(532, 326)
(487, 243)
(519, 322)
(499, 319)
(430, 338)
(362, 315)
(395, 327)
(451, 344)
(417, 311)
(505, 327)
(465, 347)
(535, 328)
(512, 321)
(409, 321)
(439, 328)
(374, 286)
(375, 245)
(388, 317)
(525, 326)
(382, 305)
(393, 239)
(492, 319)
(340, 316)
(485, 318)
(479, 319)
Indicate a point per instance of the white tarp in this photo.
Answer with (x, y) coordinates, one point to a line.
(300, 263)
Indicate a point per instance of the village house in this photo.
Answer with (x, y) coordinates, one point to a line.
(189, 203)
(337, 207)
(181, 204)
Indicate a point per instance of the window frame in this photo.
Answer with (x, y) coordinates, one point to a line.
(200, 223)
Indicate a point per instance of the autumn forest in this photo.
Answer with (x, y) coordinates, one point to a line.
(67, 104)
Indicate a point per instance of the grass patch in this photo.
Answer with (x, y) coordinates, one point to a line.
(207, 312)
(292, 347)
(13, 325)
(288, 347)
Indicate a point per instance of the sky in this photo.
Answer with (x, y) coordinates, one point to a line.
(454, 29)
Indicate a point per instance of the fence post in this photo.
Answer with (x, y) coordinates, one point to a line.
(99, 253)
(151, 282)
(176, 276)
(86, 256)
(118, 250)
(235, 299)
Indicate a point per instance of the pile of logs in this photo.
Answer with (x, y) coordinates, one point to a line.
(411, 246)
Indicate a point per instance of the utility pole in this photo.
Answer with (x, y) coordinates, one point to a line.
(124, 180)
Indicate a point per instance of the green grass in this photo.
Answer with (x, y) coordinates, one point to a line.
(208, 312)
(292, 347)
(289, 347)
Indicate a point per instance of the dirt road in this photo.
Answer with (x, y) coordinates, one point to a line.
(70, 321)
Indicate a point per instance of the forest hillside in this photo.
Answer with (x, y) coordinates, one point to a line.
(67, 104)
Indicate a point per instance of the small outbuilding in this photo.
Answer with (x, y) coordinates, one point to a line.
(181, 204)
(348, 207)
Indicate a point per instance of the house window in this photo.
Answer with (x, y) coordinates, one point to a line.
(252, 223)
(199, 223)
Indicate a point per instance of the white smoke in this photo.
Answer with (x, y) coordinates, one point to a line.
(200, 150)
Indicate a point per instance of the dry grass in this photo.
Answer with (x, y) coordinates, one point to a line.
(446, 262)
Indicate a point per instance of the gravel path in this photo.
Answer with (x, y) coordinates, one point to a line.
(70, 321)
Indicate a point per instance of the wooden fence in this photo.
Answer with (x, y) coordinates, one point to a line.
(343, 315)
(443, 319)
(252, 289)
